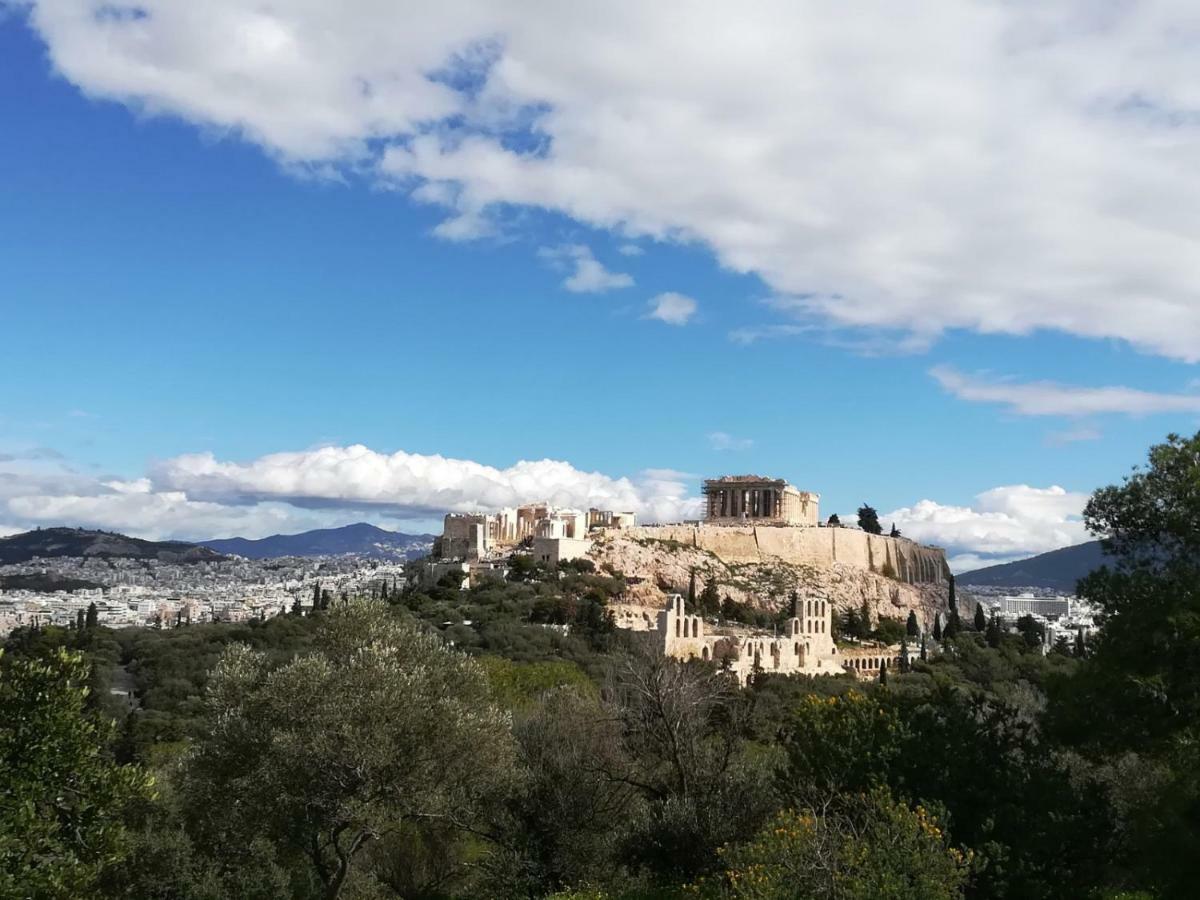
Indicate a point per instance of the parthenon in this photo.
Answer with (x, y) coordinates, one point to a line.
(738, 499)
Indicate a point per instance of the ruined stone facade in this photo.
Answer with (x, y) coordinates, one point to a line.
(471, 536)
(806, 646)
(742, 499)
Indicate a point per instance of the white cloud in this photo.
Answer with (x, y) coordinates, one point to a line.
(199, 496)
(1073, 435)
(630, 250)
(1003, 524)
(949, 164)
(672, 308)
(589, 275)
(1048, 398)
(722, 440)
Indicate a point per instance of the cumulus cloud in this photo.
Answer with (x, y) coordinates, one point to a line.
(953, 164)
(672, 308)
(1048, 398)
(1003, 524)
(198, 496)
(589, 276)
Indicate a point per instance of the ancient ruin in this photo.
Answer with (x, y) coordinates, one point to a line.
(742, 499)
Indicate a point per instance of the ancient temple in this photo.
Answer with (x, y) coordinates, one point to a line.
(753, 500)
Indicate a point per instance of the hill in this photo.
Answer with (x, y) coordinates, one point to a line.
(1057, 570)
(361, 539)
(58, 542)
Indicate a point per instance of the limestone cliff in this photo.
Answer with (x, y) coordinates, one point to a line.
(762, 566)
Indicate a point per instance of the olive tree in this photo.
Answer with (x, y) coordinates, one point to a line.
(381, 727)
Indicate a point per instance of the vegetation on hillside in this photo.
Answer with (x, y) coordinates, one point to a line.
(508, 741)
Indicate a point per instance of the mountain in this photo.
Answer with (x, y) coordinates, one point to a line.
(55, 542)
(1057, 570)
(361, 539)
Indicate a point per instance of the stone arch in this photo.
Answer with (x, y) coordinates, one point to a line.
(678, 626)
(704, 654)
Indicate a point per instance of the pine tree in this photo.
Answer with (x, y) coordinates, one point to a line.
(980, 617)
(868, 520)
(937, 627)
(92, 619)
(297, 606)
(834, 521)
(912, 626)
(993, 631)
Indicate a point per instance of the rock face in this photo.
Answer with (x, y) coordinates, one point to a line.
(762, 566)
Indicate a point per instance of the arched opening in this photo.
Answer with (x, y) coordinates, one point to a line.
(677, 627)
(704, 654)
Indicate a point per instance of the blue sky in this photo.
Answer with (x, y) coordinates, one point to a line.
(175, 283)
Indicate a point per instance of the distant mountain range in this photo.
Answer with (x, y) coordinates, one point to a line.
(360, 539)
(48, 543)
(1057, 570)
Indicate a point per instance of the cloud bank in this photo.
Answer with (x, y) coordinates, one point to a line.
(953, 164)
(1003, 524)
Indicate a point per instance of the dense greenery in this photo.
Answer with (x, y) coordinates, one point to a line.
(507, 741)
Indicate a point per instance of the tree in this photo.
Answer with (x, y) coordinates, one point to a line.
(937, 627)
(883, 675)
(953, 626)
(383, 592)
(63, 802)
(691, 592)
(834, 521)
(868, 520)
(924, 651)
(710, 599)
(912, 626)
(1080, 645)
(1062, 646)
(953, 599)
(80, 620)
(895, 532)
(381, 726)
(859, 847)
(993, 632)
(1033, 631)
(980, 618)
(297, 607)
(904, 661)
(93, 616)
(316, 597)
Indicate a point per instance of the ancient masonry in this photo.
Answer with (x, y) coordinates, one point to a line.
(736, 499)
(806, 646)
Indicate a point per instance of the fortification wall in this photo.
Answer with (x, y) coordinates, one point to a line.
(897, 558)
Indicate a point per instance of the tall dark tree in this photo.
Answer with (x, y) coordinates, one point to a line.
(937, 627)
(883, 675)
(1080, 645)
(834, 521)
(924, 651)
(297, 606)
(895, 532)
(864, 620)
(912, 626)
(993, 632)
(868, 520)
(316, 599)
(904, 661)
(691, 593)
(710, 599)
(383, 592)
(80, 620)
(92, 619)
(953, 600)
(953, 625)
(980, 618)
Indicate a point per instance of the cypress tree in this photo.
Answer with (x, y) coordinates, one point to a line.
(691, 594)
(316, 603)
(953, 626)
(993, 631)
(1080, 644)
(383, 593)
(868, 520)
(980, 619)
(903, 656)
(79, 620)
(864, 623)
(953, 597)
(883, 676)
(92, 619)
(924, 652)
(937, 627)
(297, 606)
(912, 627)
(895, 531)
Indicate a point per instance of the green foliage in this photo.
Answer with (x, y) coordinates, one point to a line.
(63, 801)
(868, 520)
(381, 725)
(912, 627)
(862, 847)
(519, 684)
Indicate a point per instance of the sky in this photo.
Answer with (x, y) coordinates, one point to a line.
(265, 268)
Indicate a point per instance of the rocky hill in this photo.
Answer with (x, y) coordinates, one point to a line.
(1058, 570)
(48, 543)
(892, 576)
(360, 539)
